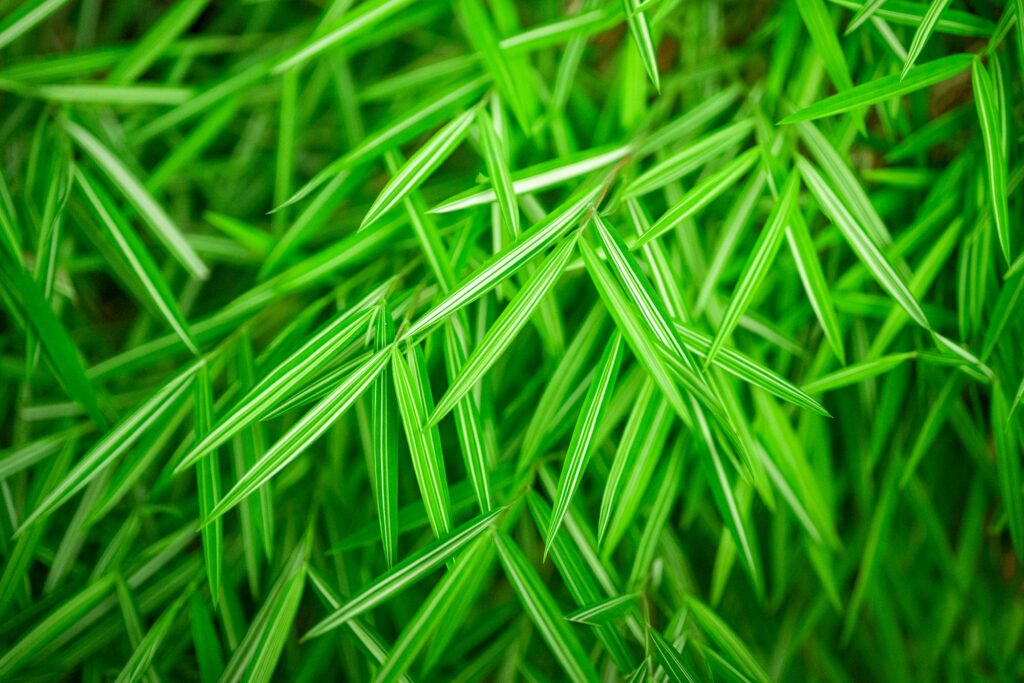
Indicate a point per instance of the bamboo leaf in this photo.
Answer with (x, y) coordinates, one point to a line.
(385, 440)
(826, 44)
(406, 572)
(504, 330)
(701, 195)
(285, 378)
(419, 166)
(604, 611)
(137, 256)
(511, 77)
(497, 157)
(415, 403)
(540, 177)
(303, 433)
(761, 257)
(884, 88)
(580, 447)
(862, 244)
(690, 158)
(1008, 468)
(544, 611)
(502, 265)
(923, 32)
(995, 152)
(641, 32)
(361, 19)
(114, 443)
(164, 229)
(460, 584)
(671, 659)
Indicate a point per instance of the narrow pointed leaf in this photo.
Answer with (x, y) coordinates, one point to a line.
(502, 265)
(384, 426)
(407, 572)
(504, 330)
(415, 403)
(761, 257)
(862, 244)
(923, 32)
(884, 88)
(302, 434)
(639, 28)
(282, 380)
(580, 447)
(701, 195)
(989, 106)
(544, 612)
(164, 229)
(137, 257)
(115, 443)
(419, 166)
(497, 157)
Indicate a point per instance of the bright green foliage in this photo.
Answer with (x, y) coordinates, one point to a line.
(494, 340)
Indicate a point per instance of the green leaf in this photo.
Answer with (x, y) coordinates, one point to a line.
(748, 370)
(671, 659)
(511, 77)
(302, 434)
(867, 9)
(26, 17)
(826, 44)
(395, 132)
(604, 611)
(115, 443)
(468, 418)
(581, 446)
(702, 194)
(284, 379)
(415, 402)
(458, 585)
(641, 32)
(884, 88)
(858, 372)
(164, 229)
(144, 652)
(862, 244)
(426, 159)
(156, 41)
(384, 426)
(354, 23)
(761, 257)
(504, 330)
(23, 297)
(690, 158)
(813, 280)
(837, 170)
(505, 263)
(923, 32)
(1008, 467)
(586, 578)
(726, 639)
(54, 625)
(255, 657)
(497, 157)
(543, 610)
(635, 459)
(407, 572)
(989, 115)
(137, 257)
(540, 177)
(208, 483)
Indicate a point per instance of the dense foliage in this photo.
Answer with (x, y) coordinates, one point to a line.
(491, 340)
